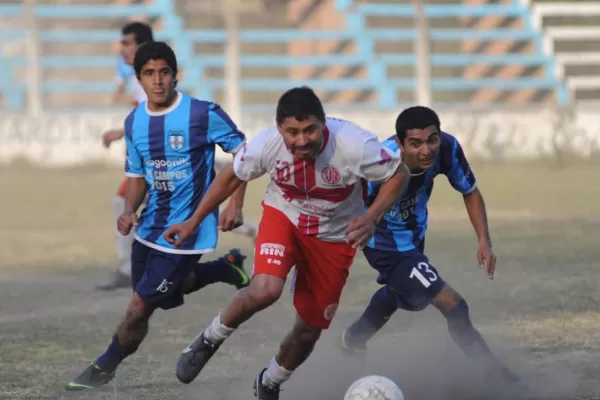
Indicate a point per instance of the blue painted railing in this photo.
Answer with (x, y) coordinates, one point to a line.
(375, 64)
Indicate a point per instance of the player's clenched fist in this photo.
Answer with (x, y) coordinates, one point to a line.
(126, 221)
(176, 234)
(230, 218)
(360, 230)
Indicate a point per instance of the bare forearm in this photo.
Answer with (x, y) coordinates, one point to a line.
(389, 192)
(224, 185)
(237, 198)
(135, 193)
(475, 206)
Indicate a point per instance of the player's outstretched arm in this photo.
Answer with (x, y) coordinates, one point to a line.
(225, 183)
(476, 209)
(225, 133)
(462, 179)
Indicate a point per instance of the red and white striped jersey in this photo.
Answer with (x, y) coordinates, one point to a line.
(320, 196)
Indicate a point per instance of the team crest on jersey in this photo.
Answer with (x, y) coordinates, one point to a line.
(176, 140)
(331, 175)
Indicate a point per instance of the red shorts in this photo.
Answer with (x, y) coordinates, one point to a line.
(122, 187)
(322, 267)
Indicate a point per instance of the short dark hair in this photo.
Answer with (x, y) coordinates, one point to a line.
(141, 32)
(418, 117)
(300, 103)
(154, 51)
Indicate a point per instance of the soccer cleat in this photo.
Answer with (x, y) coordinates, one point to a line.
(194, 358)
(263, 392)
(91, 378)
(235, 260)
(350, 348)
(118, 280)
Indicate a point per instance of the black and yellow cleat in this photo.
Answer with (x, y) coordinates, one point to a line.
(91, 378)
(235, 260)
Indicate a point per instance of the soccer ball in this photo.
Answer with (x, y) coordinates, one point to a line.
(374, 387)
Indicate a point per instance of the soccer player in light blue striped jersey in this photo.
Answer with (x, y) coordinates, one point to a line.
(134, 34)
(396, 250)
(171, 142)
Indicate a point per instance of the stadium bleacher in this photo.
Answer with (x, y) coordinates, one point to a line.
(355, 53)
(571, 32)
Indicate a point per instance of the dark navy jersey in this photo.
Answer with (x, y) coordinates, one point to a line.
(404, 226)
(174, 151)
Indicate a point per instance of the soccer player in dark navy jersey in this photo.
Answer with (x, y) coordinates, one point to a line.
(396, 250)
(170, 141)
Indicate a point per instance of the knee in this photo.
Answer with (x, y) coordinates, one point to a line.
(138, 311)
(448, 301)
(264, 290)
(459, 314)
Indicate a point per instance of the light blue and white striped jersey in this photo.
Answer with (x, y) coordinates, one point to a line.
(174, 151)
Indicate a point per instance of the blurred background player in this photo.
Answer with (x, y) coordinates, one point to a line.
(396, 250)
(170, 152)
(313, 218)
(133, 35)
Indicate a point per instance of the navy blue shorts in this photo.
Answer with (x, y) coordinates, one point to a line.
(408, 274)
(158, 277)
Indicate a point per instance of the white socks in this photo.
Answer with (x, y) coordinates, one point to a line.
(217, 332)
(275, 374)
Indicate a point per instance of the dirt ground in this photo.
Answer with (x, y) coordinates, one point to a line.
(540, 314)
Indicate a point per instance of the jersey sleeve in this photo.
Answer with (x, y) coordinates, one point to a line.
(376, 163)
(222, 131)
(458, 170)
(250, 163)
(134, 167)
(122, 72)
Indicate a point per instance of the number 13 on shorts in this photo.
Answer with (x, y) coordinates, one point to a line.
(424, 273)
